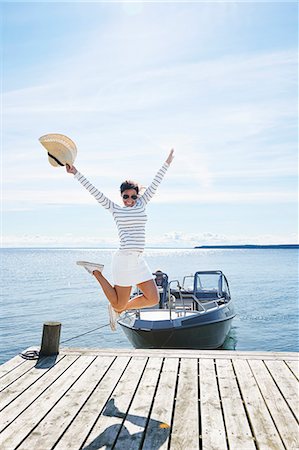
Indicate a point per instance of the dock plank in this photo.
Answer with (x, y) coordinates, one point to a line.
(10, 365)
(281, 415)
(168, 399)
(133, 427)
(27, 397)
(15, 374)
(98, 424)
(294, 366)
(49, 430)
(22, 384)
(212, 421)
(237, 427)
(183, 353)
(162, 409)
(287, 382)
(264, 430)
(185, 427)
(21, 427)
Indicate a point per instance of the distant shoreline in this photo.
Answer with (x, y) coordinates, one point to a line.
(198, 247)
(250, 246)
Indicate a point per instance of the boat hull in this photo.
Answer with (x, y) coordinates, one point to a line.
(197, 336)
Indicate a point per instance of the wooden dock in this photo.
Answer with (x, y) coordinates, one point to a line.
(150, 399)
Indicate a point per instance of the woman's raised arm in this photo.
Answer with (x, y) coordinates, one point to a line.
(170, 156)
(98, 195)
(152, 188)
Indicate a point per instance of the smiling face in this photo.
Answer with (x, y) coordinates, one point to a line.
(129, 197)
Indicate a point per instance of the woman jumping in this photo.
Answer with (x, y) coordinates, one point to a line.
(128, 265)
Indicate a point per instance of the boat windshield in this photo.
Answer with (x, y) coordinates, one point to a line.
(207, 281)
(188, 283)
(210, 285)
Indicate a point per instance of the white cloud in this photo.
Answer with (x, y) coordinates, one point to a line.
(185, 239)
(207, 135)
(176, 239)
(40, 240)
(142, 82)
(241, 80)
(31, 199)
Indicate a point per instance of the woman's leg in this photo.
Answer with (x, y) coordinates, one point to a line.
(149, 297)
(118, 296)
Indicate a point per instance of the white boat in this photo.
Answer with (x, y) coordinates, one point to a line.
(196, 314)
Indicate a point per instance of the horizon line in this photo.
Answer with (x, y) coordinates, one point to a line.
(197, 247)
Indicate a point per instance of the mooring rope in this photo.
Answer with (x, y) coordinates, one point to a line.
(34, 354)
(83, 334)
(30, 354)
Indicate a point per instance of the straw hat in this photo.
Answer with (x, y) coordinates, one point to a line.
(61, 149)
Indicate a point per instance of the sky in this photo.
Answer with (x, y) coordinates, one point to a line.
(128, 81)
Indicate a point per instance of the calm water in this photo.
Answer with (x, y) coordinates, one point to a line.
(40, 285)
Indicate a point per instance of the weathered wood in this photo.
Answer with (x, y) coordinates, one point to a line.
(10, 365)
(162, 408)
(15, 374)
(182, 353)
(131, 433)
(281, 415)
(13, 435)
(109, 422)
(49, 430)
(294, 366)
(147, 399)
(23, 383)
(237, 428)
(261, 422)
(185, 427)
(287, 382)
(27, 397)
(50, 339)
(212, 422)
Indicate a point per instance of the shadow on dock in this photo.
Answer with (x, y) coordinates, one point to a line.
(46, 362)
(119, 432)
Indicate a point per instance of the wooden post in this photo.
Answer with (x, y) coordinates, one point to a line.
(50, 339)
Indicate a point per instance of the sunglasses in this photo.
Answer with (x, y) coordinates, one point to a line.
(133, 197)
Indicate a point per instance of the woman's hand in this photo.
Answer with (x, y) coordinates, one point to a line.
(170, 156)
(71, 169)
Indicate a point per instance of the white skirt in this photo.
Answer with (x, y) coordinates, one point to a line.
(129, 268)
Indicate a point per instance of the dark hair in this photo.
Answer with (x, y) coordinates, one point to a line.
(129, 184)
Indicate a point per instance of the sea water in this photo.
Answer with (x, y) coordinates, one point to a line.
(40, 285)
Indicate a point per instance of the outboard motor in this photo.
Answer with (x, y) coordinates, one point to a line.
(161, 280)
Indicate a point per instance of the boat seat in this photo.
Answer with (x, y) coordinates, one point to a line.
(201, 295)
(183, 292)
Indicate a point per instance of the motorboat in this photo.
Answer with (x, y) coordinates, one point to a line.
(194, 314)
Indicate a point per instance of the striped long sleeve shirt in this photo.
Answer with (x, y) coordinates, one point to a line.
(130, 220)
